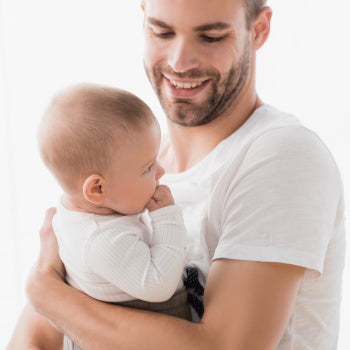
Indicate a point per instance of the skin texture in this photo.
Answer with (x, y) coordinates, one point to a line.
(251, 308)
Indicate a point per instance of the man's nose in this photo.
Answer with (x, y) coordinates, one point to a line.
(182, 55)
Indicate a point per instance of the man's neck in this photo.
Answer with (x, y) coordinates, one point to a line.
(189, 145)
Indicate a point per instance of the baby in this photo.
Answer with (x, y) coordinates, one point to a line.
(101, 144)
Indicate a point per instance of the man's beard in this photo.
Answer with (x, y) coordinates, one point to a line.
(224, 92)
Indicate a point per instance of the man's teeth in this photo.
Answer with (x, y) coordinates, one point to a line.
(179, 85)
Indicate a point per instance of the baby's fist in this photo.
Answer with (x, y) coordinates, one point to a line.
(162, 197)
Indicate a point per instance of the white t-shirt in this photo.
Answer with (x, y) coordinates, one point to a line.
(116, 258)
(272, 192)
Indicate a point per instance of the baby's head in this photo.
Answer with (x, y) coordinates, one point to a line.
(101, 143)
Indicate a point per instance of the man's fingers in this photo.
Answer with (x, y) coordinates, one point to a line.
(46, 228)
(49, 257)
(47, 224)
(49, 214)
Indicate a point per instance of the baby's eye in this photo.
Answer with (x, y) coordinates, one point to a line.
(148, 169)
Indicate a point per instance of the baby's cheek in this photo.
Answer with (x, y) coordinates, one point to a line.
(152, 189)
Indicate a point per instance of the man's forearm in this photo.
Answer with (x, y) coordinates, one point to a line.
(92, 324)
(34, 332)
(248, 311)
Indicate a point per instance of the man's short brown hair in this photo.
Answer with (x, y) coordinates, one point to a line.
(253, 8)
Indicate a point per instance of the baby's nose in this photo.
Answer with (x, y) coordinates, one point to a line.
(160, 172)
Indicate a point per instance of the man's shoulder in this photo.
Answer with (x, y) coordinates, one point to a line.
(268, 118)
(270, 131)
(279, 154)
(290, 142)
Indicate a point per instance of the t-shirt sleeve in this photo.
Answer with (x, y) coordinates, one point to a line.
(152, 272)
(280, 204)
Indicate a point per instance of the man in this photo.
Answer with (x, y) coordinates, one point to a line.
(263, 191)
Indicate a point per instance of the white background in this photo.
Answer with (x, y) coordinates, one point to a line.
(46, 45)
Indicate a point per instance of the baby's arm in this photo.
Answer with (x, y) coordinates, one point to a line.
(147, 272)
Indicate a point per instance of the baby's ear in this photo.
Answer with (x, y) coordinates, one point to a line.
(94, 189)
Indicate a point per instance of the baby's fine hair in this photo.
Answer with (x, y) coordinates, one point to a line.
(83, 127)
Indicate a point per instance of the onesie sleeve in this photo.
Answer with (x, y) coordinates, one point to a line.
(151, 272)
(281, 203)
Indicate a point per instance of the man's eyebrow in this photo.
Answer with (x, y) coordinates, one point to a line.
(158, 23)
(212, 26)
(200, 28)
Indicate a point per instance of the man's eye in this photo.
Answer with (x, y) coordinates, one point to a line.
(212, 39)
(165, 35)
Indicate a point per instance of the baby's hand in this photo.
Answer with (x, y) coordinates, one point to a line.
(162, 197)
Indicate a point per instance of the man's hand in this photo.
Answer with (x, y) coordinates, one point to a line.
(34, 331)
(49, 262)
(49, 257)
(162, 197)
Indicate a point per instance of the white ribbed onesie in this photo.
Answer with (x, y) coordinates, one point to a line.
(115, 258)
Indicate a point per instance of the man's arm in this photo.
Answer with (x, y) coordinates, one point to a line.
(247, 306)
(34, 332)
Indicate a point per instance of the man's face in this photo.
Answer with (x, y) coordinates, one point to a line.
(197, 57)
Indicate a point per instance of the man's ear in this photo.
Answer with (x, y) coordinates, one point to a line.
(94, 189)
(261, 28)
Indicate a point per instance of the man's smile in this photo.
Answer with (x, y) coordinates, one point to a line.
(181, 88)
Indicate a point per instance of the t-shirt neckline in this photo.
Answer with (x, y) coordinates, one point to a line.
(187, 173)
